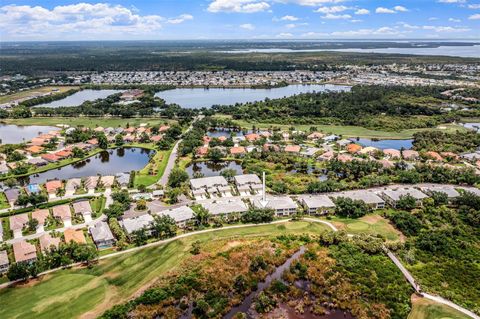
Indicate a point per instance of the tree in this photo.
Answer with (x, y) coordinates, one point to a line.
(228, 173)
(18, 271)
(215, 154)
(102, 141)
(201, 215)
(85, 253)
(78, 152)
(141, 204)
(164, 226)
(257, 215)
(195, 250)
(140, 237)
(406, 202)
(32, 224)
(119, 140)
(439, 198)
(177, 177)
(347, 207)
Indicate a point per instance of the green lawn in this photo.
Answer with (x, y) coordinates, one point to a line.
(427, 309)
(371, 224)
(26, 93)
(348, 130)
(3, 201)
(159, 164)
(88, 121)
(71, 293)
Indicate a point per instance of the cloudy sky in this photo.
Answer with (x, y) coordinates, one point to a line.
(238, 19)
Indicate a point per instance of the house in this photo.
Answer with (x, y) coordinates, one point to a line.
(12, 195)
(123, 179)
(392, 196)
(99, 129)
(392, 153)
(434, 156)
(248, 183)
(4, 263)
(270, 148)
(4, 167)
(252, 137)
(102, 235)
(317, 204)
(53, 186)
(225, 206)
(24, 252)
(353, 148)
(472, 190)
(74, 235)
(386, 163)
(369, 150)
(34, 149)
(131, 95)
(368, 197)
(49, 157)
(449, 155)
(91, 183)
(37, 141)
(315, 136)
(36, 161)
(17, 223)
(327, 156)
(41, 216)
(202, 151)
(343, 143)
(164, 128)
(237, 150)
(310, 151)
(63, 154)
(181, 214)
(107, 181)
(72, 185)
(83, 208)
(156, 138)
(281, 205)
(471, 156)
(62, 213)
(143, 221)
(345, 158)
(47, 241)
(93, 142)
(448, 190)
(213, 186)
(331, 138)
(292, 149)
(410, 155)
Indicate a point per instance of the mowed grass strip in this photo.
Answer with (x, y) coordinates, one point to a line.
(27, 93)
(82, 291)
(428, 309)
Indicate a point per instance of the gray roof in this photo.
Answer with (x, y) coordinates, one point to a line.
(179, 214)
(37, 161)
(450, 191)
(12, 194)
(1, 230)
(247, 179)
(137, 223)
(73, 184)
(317, 201)
(225, 206)
(82, 207)
(366, 196)
(473, 190)
(123, 178)
(395, 194)
(4, 258)
(101, 232)
(276, 203)
(208, 182)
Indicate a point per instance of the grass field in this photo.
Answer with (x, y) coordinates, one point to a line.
(87, 121)
(87, 292)
(371, 224)
(27, 93)
(347, 130)
(160, 160)
(428, 309)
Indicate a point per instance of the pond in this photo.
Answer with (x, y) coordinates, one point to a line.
(209, 168)
(78, 98)
(109, 162)
(472, 126)
(383, 144)
(14, 134)
(195, 98)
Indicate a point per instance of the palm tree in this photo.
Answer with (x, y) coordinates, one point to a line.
(201, 215)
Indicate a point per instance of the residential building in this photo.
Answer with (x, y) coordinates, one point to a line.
(292, 149)
(83, 208)
(41, 216)
(47, 241)
(181, 214)
(392, 196)
(225, 206)
(12, 195)
(213, 186)
(62, 213)
(247, 183)
(143, 221)
(281, 205)
(72, 186)
(75, 235)
(107, 181)
(448, 190)
(24, 252)
(91, 183)
(52, 187)
(410, 155)
(4, 263)
(17, 223)
(102, 235)
(317, 204)
(368, 197)
(123, 179)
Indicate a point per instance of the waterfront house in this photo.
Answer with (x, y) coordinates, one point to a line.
(392, 153)
(353, 148)
(91, 183)
(213, 186)
(237, 150)
(102, 235)
(17, 223)
(410, 155)
(24, 252)
(83, 208)
(281, 205)
(4, 167)
(47, 242)
(317, 204)
(368, 197)
(74, 235)
(37, 161)
(34, 149)
(247, 183)
(52, 187)
(107, 181)
(32, 189)
(434, 156)
(49, 157)
(123, 179)
(72, 185)
(4, 262)
(63, 213)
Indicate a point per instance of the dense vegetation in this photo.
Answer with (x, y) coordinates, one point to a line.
(456, 142)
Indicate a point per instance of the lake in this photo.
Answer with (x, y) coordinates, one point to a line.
(383, 144)
(14, 134)
(210, 168)
(472, 126)
(78, 98)
(108, 162)
(195, 98)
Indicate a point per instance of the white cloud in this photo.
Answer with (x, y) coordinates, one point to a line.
(445, 29)
(474, 6)
(240, 6)
(432, 18)
(452, 1)
(367, 32)
(474, 17)
(454, 20)
(290, 26)
(313, 2)
(334, 9)
(289, 18)
(400, 9)
(356, 20)
(312, 34)
(247, 26)
(332, 16)
(284, 35)
(384, 10)
(180, 19)
(362, 11)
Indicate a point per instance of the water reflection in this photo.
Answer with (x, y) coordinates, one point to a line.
(210, 168)
(14, 134)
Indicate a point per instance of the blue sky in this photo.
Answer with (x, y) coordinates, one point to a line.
(239, 19)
